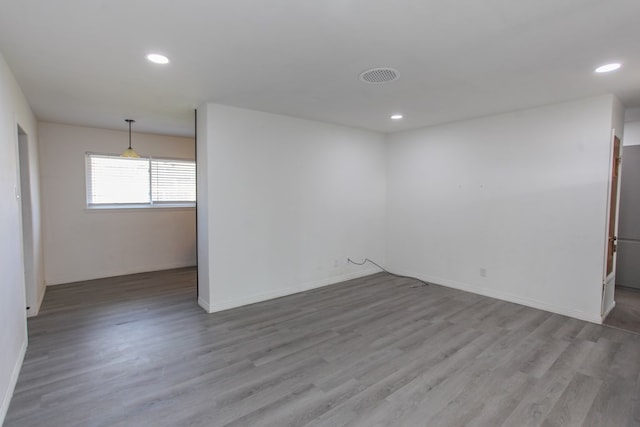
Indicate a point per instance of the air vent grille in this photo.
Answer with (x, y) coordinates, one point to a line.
(379, 75)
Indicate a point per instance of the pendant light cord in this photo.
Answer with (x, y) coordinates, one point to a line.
(130, 121)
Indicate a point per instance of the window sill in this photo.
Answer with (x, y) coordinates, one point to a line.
(130, 208)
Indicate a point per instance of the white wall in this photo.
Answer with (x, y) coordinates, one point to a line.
(82, 244)
(632, 127)
(14, 111)
(632, 114)
(286, 201)
(522, 195)
(632, 133)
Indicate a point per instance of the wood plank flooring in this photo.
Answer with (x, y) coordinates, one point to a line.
(376, 351)
(626, 314)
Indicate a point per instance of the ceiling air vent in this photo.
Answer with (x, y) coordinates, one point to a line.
(379, 75)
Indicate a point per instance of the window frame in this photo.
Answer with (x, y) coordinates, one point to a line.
(128, 206)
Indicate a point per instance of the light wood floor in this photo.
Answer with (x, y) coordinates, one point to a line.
(377, 351)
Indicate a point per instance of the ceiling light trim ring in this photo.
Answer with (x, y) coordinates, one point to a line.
(607, 68)
(158, 58)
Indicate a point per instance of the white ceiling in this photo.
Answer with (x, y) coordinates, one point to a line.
(83, 61)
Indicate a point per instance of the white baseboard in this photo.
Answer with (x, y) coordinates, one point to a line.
(570, 312)
(42, 293)
(8, 394)
(33, 311)
(204, 304)
(63, 280)
(252, 299)
(606, 313)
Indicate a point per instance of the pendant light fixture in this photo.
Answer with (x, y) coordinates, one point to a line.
(129, 151)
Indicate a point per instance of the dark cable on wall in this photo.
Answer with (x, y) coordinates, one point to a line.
(366, 260)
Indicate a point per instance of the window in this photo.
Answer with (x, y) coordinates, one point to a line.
(114, 181)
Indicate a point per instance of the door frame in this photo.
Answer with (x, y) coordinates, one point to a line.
(608, 279)
(24, 199)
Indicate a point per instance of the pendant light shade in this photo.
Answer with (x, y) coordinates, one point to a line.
(129, 152)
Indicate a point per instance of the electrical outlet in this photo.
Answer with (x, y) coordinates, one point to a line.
(483, 272)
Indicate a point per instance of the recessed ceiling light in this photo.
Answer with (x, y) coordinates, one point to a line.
(396, 117)
(607, 68)
(156, 58)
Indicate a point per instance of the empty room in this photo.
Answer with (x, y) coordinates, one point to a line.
(340, 213)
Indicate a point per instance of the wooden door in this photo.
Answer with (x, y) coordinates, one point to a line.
(613, 205)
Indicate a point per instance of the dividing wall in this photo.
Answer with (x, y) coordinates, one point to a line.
(282, 203)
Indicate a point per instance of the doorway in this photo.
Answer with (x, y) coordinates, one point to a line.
(628, 268)
(626, 314)
(26, 214)
(609, 278)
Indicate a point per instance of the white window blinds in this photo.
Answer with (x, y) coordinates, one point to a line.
(120, 181)
(173, 181)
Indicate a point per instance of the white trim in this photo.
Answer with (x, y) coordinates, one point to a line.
(608, 209)
(604, 316)
(4, 407)
(204, 304)
(252, 299)
(18, 190)
(605, 276)
(63, 280)
(177, 159)
(136, 207)
(577, 314)
(33, 311)
(151, 178)
(609, 279)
